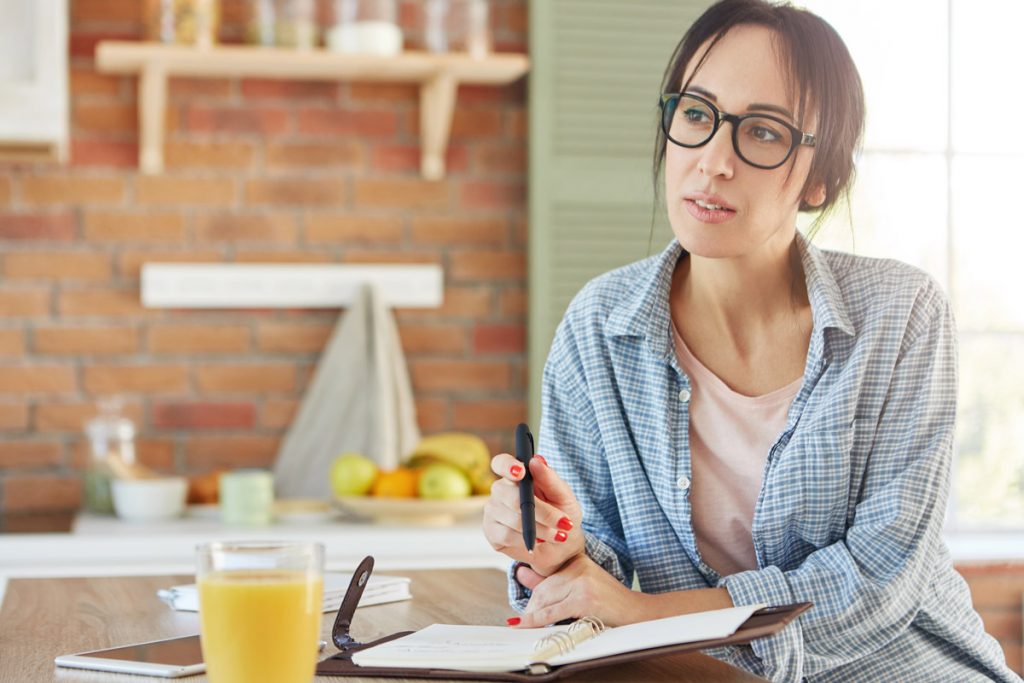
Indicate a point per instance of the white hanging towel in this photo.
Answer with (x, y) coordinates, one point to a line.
(360, 400)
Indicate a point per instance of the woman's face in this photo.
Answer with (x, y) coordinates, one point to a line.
(741, 73)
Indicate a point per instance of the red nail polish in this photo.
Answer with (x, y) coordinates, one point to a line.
(565, 523)
(516, 470)
(541, 458)
(513, 621)
(541, 540)
(560, 536)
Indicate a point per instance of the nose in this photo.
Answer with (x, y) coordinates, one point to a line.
(718, 158)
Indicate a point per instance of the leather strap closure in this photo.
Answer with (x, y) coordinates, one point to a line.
(343, 640)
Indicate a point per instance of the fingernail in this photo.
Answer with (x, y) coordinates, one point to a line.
(560, 536)
(541, 458)
(515, 470)
(513, 621)
(541, 540)
(565, 523)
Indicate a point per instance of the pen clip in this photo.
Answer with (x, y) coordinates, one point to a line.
(524, 444)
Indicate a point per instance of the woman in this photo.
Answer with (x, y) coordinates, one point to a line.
(745, 418)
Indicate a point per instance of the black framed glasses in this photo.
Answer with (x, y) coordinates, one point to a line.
(761, 140)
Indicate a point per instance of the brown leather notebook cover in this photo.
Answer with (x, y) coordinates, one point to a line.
(764, 622)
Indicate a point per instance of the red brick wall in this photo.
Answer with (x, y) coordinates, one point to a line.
(998, 594)
(257, 170)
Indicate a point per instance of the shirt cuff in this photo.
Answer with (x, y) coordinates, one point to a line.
(518, 594)
(603, 554)
(781, 655)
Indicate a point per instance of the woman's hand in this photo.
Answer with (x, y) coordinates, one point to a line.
(558, 515)
(579, 589)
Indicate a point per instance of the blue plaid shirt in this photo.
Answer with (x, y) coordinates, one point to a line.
(853, 492)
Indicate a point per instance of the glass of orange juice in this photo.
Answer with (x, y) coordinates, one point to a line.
(260, 606)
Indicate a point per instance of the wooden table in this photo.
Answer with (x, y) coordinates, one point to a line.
(43, 618)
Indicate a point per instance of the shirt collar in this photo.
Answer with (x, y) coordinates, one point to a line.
(644, 311)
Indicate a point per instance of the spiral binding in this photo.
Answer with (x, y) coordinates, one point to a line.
(564, 641)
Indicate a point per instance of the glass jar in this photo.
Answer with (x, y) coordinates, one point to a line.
(112, 448)
(457, 26)
(260, 28)
(295, 23)
(186, 22)
(365, 27)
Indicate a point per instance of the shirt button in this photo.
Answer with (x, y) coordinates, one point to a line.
(684, 395)
(683, 483)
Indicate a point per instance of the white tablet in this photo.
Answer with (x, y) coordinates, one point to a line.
(171, 658)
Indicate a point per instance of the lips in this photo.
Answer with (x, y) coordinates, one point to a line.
(708, 208)
(712, 202)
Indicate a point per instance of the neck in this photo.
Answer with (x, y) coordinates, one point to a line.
(742, 296)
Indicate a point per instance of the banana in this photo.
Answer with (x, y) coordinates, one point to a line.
(466, 451)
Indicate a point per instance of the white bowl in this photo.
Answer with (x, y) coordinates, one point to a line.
(140, 500)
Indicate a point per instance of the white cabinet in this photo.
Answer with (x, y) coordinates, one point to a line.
(33, 80)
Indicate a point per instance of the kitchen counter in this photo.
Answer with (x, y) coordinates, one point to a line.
(100, 546)
(104, 546)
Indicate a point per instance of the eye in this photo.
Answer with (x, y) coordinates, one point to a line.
(763, 133)
(696, 115)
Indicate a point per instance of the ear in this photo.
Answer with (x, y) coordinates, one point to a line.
(815, 196)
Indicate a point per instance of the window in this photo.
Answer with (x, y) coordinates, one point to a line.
(938, 187)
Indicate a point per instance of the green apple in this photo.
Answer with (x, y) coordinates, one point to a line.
(442, 481)
(352, 474)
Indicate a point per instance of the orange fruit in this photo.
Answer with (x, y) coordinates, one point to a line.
(398, 483)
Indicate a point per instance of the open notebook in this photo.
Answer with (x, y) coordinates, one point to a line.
(500, 653)
(379, 590)
(500, 648)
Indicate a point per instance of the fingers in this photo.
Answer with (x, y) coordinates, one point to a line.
(566, 594)
(528, 577)
(544, 616)
(546, 485)
(509, 516)
(550, 603)
(549, 486)
(557, 533)
(507, 467)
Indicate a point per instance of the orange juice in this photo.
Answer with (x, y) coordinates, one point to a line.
(260, 625)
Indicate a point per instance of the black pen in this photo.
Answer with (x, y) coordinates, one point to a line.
(524, 453)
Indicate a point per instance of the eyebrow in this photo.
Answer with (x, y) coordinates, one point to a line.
(755, 106)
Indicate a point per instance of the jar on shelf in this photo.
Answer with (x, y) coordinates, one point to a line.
(261, 23)
(186, 22)
(112, 449)
(295, 24)
(457, 26)
(365, 27)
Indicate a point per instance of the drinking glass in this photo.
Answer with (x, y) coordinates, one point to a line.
(260, 606)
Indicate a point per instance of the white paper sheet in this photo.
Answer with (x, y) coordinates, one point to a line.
(500, 648)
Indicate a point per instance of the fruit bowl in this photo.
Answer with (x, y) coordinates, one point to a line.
(418, 511)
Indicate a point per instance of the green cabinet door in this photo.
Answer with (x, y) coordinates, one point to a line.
(596, 68)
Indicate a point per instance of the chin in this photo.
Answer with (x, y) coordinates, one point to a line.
(710, 241)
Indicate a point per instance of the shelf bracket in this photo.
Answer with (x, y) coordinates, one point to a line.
(152, 111)
(437, 105)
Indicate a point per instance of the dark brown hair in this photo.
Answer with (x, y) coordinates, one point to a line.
(820, 73)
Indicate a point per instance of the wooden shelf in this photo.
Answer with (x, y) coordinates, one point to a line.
(438, 75)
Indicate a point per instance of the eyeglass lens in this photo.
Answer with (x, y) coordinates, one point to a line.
(759, 140)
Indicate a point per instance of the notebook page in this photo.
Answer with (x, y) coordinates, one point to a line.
(447, 646)
(686, 628)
